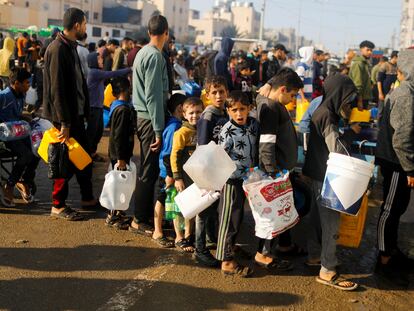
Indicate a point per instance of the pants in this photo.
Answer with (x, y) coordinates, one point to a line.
(323, 233)
(84, 177)
(202, 221)
(95, 128)
(396, 199)
(231, 213)
(148, 173)
(26, 164)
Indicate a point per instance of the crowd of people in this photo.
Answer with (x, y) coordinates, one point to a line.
(243, 110)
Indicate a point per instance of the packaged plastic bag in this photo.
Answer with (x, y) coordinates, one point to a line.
(272, 203)
(118, 188)
(14, 130)
(31, 96)
(193, 200)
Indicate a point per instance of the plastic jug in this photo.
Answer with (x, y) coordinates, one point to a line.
(301, 108)
(193, 200)
(14, 130)
(77, 155)
(39, 126)
(118, 188)
(108, 96)
(209, 167)
(359, 116)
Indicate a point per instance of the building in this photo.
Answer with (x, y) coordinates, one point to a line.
(407, 24)
(246, 19)
(177, 13)
(287, 37)
(207, 27)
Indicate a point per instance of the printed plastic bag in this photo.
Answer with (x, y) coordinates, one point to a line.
(14, 130)
(272, 203)
(118, 188)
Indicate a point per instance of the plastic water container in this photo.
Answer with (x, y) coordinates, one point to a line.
(39, 126)
(118, 188)
(77, 155)
(301, 108)
(209, 166)
(346, 181)
(193, 200)
(359, 116)
(108, 96)
(14, 130)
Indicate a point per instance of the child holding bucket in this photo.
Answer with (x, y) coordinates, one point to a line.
(123, 121)
(339, 94)
(239, 139)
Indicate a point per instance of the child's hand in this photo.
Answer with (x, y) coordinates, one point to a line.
(121, 165)
(169, 181)
(179, 185)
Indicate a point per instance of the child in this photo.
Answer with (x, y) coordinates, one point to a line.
(277, 147)
(184, 144)
(208, 129)
(238, 137)
(122, 122)
(175, 108)
(244, 80)
(339, 94)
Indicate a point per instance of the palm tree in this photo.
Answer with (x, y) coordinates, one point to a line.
(230, 32)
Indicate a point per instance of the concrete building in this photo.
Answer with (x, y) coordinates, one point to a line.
(246, 19)
(207, 27)
(287, 37)
(407, 24)
(177, 13)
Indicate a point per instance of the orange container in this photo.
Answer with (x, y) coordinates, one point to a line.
(204, 98)
(77, 155)
(108, 97)
(301, 108)
(351, 228)
(360, 116)
(290, 106)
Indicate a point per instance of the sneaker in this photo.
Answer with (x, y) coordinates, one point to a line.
(391, 273)
(205, 258)
(25, 191)
(7, 196)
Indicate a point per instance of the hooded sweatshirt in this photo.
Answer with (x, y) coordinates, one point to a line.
(395, 146)
(324, 127)
(304, 69)
(360, 74)
(221, 61)
(5, 56)
(210, 124)
(172, 125)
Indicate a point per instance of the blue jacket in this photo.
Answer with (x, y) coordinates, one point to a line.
(221, 66)
(210, 124)
(11, 105)
(172, 125)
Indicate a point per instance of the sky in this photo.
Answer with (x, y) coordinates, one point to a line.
(337, 24)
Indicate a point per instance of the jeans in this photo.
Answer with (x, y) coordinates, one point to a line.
(201, 226)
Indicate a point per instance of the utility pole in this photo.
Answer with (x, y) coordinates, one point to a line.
(298, 30)
(262, 20)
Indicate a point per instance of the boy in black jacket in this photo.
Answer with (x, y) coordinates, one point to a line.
(121, 139)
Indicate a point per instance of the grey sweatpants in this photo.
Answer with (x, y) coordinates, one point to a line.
(323, 231)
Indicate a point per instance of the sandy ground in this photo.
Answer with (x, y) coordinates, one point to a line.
(50, 264)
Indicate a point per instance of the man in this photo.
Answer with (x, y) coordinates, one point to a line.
(32, 52)
(221, 61)
(83, 53)
(22, 176)
(138, 45)
(111, 47)
(279, 58)
(52, 37)
(66, 104)
(395, 156)
(387, 75)
(261, 73)
(318, 58)
(149, 92)
(121, 53)
(374, 77)
(360, 74)
(21, 48)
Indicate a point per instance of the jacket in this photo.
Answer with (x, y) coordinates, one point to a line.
(122, 133)
(360, 74)
(208, 127)
(272, 69)
(395, 145)
(119, 59)
(172, 125)
(324, 134)
(60, 103)
(222, 59)
(240, 143)
(11, 105)
(304, 69)
(278, 146)
(184, 144)
(6, 54)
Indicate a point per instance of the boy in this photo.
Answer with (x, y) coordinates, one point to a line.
(277, 147)
(339, 94)
(184, 144)
(11, 109)
(208, 129)
(394, 155)
(238, 137)
(122, 118)
(175, 108)
(244, 80)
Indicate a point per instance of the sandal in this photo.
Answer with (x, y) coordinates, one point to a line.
(67, 214)
(241, 271)
(294, 251)
(163, 242)
(336, 281)
(143, 229)
(118, 221)
(185, 246)
(276, 265)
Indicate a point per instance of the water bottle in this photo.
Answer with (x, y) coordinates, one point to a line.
(255, 175)
(14, 130)
(170, 210)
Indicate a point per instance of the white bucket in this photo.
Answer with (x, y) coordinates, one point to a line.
(193, 200)
(346, 181)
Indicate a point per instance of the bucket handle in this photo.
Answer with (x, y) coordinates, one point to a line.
(343, 146)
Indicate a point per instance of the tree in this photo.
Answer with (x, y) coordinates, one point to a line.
(230, 32)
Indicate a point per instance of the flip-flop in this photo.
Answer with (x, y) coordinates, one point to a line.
(336, 281)
(67, 214)
(140, 230)
(184, 244)
(163, 242)
(240, 271)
